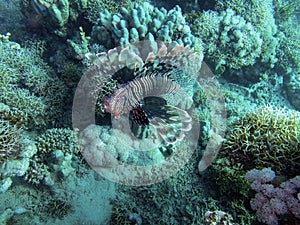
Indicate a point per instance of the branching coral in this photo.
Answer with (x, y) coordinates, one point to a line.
(57, 150)
(11, 123)
(267, 137)
(28, 85)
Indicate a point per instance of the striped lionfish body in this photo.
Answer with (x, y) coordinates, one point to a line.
(170, 122)
(127, 98)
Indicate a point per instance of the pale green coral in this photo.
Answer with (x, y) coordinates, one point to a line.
(142, 22)
(260, 14)
(229, 40)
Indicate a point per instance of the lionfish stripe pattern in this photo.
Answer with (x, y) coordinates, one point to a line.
(149, 86)
(127, 98)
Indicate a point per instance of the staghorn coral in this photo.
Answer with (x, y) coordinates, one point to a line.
(268, 136)
(28, 85)
(11, 127)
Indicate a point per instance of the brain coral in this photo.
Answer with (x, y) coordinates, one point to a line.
(267, 137)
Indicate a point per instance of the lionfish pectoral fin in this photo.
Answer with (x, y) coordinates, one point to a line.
(173, 125)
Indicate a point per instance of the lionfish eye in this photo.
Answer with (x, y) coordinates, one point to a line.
(106, 103)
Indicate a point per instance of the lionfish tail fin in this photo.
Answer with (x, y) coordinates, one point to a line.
(173, 125)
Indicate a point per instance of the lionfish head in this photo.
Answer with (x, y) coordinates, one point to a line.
(113, 105)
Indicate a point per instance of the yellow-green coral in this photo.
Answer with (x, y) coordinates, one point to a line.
(267, 137)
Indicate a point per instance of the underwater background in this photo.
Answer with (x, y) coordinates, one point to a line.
(211, 89)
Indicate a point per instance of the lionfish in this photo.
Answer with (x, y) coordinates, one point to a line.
(170, 122)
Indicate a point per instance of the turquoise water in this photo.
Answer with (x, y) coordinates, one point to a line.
(159, 112)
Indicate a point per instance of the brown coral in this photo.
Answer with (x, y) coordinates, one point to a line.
(268, 137)
(11, 125)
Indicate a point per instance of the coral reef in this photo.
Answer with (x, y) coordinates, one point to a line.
(12, 19)
(266, 137)
(229, 40)
(218, 218)
(53, 14)
(253, 44)
(260, 14)
(28, 85)
(142, 22)
(182, 199)
(56, 158)
(95, 6)
(16, 167)
(11, 127)
(293, 89)
(229, 179)
(272, 203)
